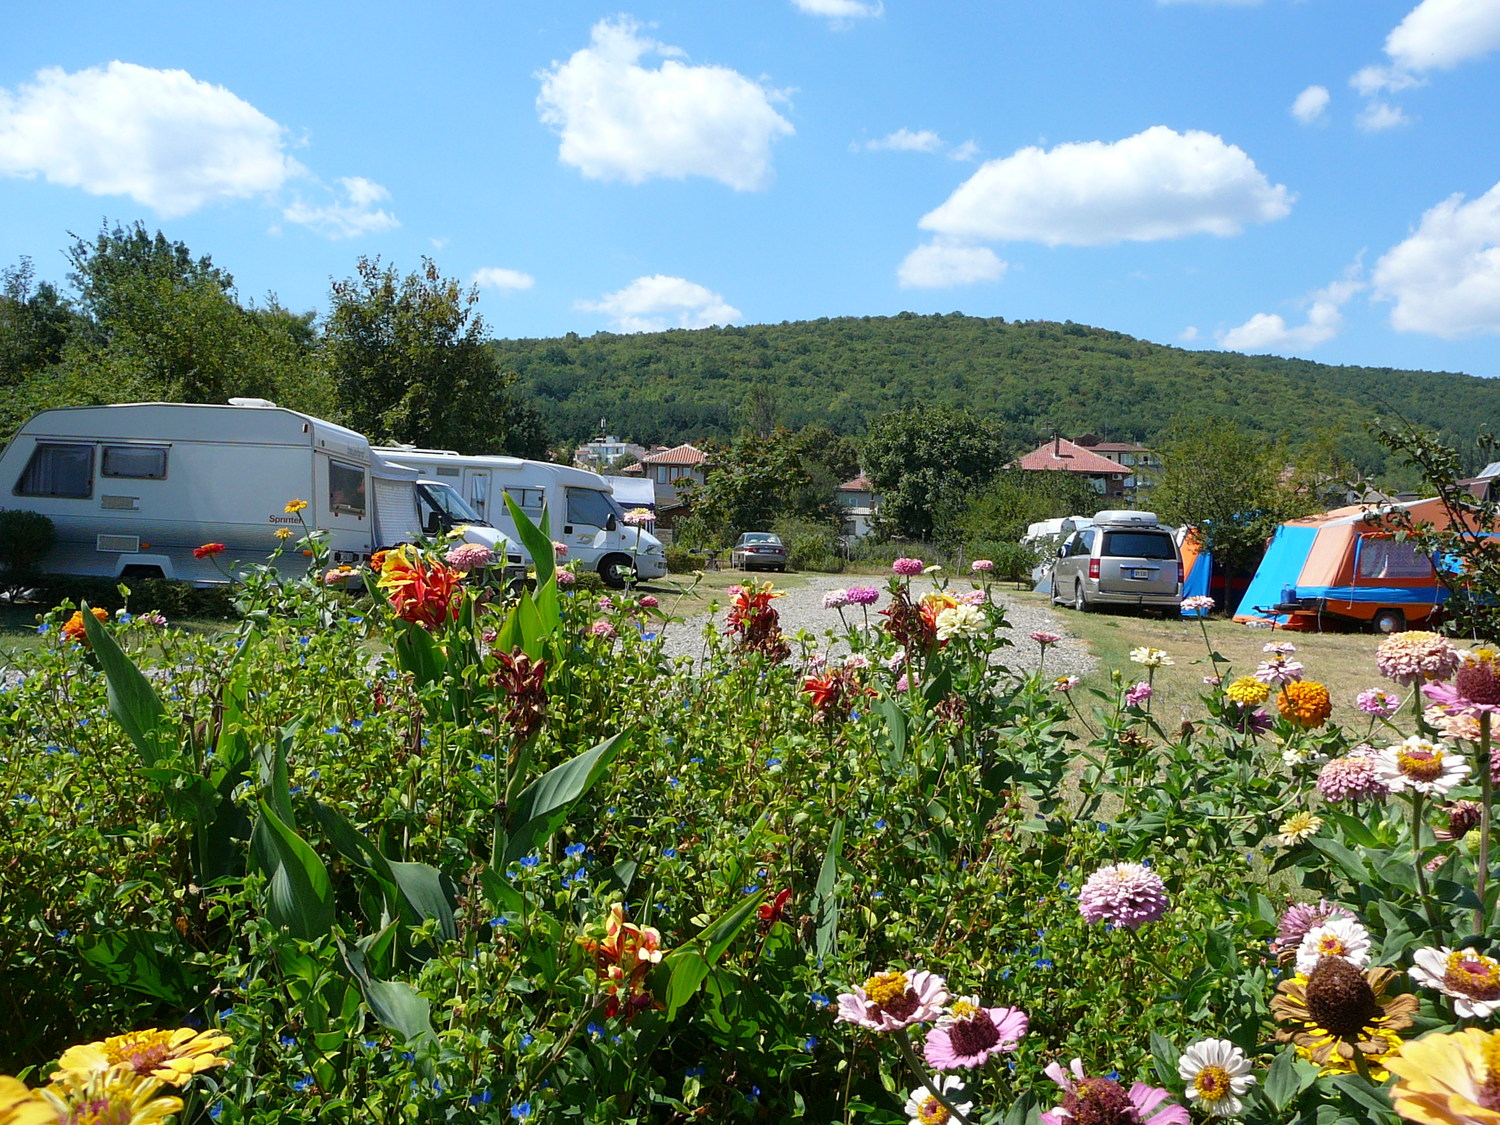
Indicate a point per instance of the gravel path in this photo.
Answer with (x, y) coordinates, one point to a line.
(802, 609)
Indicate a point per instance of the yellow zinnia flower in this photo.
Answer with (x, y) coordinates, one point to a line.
(1298, 827)
(1247, 691)
(295, 506)
(168, 1056)
(117, 1096)
(1448, 1079)
(21, 1106)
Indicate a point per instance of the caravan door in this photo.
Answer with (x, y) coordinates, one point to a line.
(476, 490)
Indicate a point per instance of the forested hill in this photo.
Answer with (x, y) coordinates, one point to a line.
(1039, 376)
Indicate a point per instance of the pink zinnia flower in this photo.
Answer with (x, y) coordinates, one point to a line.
(863, 595)
(835, 599)
(602, 628)
(1475, 688)
(1300, 918)
(649, 601)
(469, 556)
(856, 660)
(565, 577)
(1279, 671)
(1044, 638)
(979, 566)
(1103, 1101)
(1137, 695)
(969, 1034)
(907, 568)
(903, 684)
(1350, 779)
(1065, 683)
(1197, 603)
(973, 597)
(1416, 657)
(1377, 702)
(559, 549)
(1280, 648)
(892, 1000)
(1123, 894)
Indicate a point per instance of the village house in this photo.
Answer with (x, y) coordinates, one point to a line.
(1105, 476)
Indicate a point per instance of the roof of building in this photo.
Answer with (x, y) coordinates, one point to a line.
(860, 483)
(1068, 457)
(1116, 447)
(677, 455)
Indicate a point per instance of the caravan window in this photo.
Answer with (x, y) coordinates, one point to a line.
(138, 462)
(1386, 558)
(346, 489)
(65, 471)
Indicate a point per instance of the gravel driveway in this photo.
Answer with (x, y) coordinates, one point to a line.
(802, 608)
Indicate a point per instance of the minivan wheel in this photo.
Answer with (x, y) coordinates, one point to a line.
(616, 570)
(1080, 601)
(1389, 621)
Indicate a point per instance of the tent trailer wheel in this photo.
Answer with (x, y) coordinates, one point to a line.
(1389, 621)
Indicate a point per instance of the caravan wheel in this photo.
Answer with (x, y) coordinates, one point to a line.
(1389, 621)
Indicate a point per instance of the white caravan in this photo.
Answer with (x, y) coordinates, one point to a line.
(583, 513)
(132, 489)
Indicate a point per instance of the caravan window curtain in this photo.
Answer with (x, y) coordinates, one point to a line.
(1385, 558)
(55, 469)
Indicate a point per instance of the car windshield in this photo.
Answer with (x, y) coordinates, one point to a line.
(759, 537)
(446, 499)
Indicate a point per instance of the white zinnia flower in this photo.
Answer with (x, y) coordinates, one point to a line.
(1217, 1073)
(923, 1109)
(960, 621)
(1466, 975)
(1421, 766)
(1338, 937)
(1151, 657)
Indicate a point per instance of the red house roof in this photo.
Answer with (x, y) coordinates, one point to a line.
(860, 483)
(1059, 454)
(677, 455)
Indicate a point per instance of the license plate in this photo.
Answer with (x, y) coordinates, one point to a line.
(1139, 573)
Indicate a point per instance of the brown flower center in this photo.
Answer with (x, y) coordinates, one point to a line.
(1100, 1101)
(891, 993)
(972, 1035)
(1473, 975)
(1340, 999)
(1478, 682)
(933, 1112)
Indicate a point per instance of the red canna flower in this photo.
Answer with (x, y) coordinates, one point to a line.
(770, 912)
(208, 550)
(424, 593)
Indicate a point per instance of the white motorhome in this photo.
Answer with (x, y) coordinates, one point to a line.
(133, 489)
(583, 513)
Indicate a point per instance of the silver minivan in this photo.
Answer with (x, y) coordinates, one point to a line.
(1126, 558)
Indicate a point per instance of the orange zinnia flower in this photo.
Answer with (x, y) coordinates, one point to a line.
(73, 629)
(1304, 702)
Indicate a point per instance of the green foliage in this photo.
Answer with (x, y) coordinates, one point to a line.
(174, 600)
(1227, 482)
(682, 560)
(1013, 562)
(408, 363)
(925, 461)
(810, 545)
(1005, 507)
(35, 322)
(753, 483)
(25, 539)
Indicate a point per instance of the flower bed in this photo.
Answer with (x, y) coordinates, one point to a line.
(523, 867)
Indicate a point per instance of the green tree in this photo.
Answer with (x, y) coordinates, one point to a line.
(1228, 483)
(409, 363)
(756, 482)
(926, 461)
(35, 321)
(1003, 509)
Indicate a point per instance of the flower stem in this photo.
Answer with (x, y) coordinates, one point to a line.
(1416, 858)
(920, 1073)
(1481, 877)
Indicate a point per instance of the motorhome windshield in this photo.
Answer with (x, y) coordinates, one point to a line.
(450, 503)
(593, 507)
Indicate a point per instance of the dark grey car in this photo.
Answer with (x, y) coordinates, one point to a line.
(758, 550)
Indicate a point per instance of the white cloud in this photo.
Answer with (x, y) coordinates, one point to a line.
(941, 265)
(656, 303)
(1379, 116)
(840, 12)
(1444, 279)
(966, 151)
(355, 213)
(1372, 80)
(161, 137)
(619, 120)
(1310, 105)
(1157, 184)
(1188, 334)
(1269, 332)
(498, 277)
(1440, 34)
(905, 140)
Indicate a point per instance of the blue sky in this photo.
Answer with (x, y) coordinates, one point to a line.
(1318, 178)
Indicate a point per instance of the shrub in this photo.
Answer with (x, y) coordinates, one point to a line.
(680, 560)
(174, 600)
(810, 546)
(1013, 562)
(25, 538)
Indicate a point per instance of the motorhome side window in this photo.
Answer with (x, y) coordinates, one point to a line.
(346, 489)
(55, 469)
(585, 505)
(137, 462)
(529, 500)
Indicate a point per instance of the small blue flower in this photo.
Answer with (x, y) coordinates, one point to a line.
(695, 1071)
(673, 782)
(216, 1110)
(526, 1039)
(880, 823)
(530, 861)
(303, 1083)
(521, 1110)
(772, 762)
(357, 724)
(810, 1043)
(497, 922)
(819, 999)
(572, 851)
(481, 1099)
(669, 853)
(333, 729)
(288, 1040)
(1044, 962)
(750, 889)
(594, 1030)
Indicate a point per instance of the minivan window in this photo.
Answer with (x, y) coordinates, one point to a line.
(55, 469)
(1138, 545)
(137, 462)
